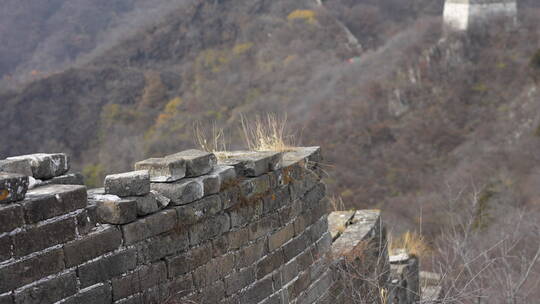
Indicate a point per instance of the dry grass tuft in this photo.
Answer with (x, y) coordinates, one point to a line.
(213, 141)
(414, 243)
(267, 134)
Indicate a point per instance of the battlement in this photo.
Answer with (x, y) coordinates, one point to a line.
(250, 227)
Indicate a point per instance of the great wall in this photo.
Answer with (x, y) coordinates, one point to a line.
(251, 227)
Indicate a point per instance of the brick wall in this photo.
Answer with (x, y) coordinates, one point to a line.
(251, 228)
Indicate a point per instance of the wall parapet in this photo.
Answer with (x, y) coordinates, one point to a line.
(249, 228)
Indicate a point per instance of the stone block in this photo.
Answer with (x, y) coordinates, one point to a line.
(43, 236)
(252, 253)
(338, 221)
(68, 179)
(281, 237)
(258, 291)
(212, 294)
(107, 267)
(238, 280)
(230, 197)
(269, 263)
(226, 174)
(211, 184)
(190, 260)
(290, 271)
(295, 246)
(199, 210)
(19, 273)
(209, 229)
(92, 245)
(141, 279)
(49, 201)
(181, 192)
(11, 217)
(163, 170)
(128, 184)
(46, 166)
(87, 220)
(306, 155)
(254, 187)
(253, 164)
(161, 200)
(149, 226)
(13, 187)
(114, 210)
(146, 204)
(263, 227)
(181, 286)
(246, 213)
(97, 294)
(230, 241)
(16, 166)
(162, 246)
(197, 162)
(5, 247)
(49, 291)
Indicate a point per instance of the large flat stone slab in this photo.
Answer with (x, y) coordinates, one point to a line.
(128, 184)
(338, 222)
(17, 166)
(197, 162)
(67, 179)
(181, 192)
(13, 187)
(252, 164)
(112, 209)
(46, 166)
(163, 170)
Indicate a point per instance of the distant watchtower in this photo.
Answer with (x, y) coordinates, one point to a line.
(462, 14)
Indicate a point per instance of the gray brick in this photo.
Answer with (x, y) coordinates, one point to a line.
(107, 267)
(209, 229)
(45, 166)
(13, 187)
(161, 199)
(115, 211)
(254, 187)
(19, 273)
(238, 280)
(11, 217)
(128, 184)
(162, 246)
(68, 179)
(43, 236)
(290, 271)
(17, 166)
(87, 220)
(227, 176)
(211, 184)
(48, 291)
(146, 204)
(49, 201)
(249, 255)
(97, 294)
(256, 163)
(181, 286)
(230, 197)
(263, 227)
(246, 213)
(299, 285)
(199, 210)
(276, 199)
(197, 162)
(190, 260)
(212, 294)
(143, 278)
(258, 292)
(232, 240)
(295, 246)
(181, 192)
(270, 263)
(5, 247)
(92, 246)
(281, 237)
(149, 226)
(163, 169)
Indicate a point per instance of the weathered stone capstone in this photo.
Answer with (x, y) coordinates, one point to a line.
(13, 187)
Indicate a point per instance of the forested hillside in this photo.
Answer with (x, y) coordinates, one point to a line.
(416, 110)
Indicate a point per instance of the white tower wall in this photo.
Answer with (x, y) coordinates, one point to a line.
(461, 14)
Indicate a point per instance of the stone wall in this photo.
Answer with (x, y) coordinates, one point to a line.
(186, 228)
